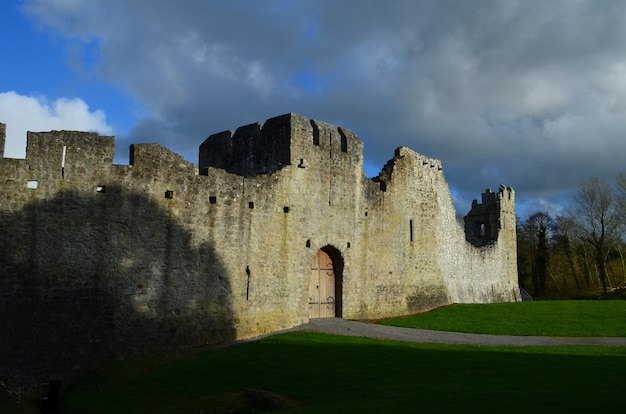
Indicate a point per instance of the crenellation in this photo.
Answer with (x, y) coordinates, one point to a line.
(163, 254)
(216, 150)
(253, 149)
(323, 135)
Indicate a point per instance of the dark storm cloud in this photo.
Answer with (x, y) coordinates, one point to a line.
(528, 93)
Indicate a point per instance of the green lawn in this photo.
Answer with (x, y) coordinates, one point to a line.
(550, 318)
(335, 374)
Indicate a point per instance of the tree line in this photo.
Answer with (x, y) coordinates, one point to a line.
(579, 253)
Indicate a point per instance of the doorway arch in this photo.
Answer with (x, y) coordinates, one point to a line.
(326, 284)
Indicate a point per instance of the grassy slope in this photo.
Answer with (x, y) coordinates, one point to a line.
(551, 318)
(327, 373)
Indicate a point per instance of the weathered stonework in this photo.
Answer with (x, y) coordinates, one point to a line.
(100, 261)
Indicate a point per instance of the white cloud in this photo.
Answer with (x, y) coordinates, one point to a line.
(25, 113)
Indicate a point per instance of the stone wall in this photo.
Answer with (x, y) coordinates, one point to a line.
(100, 261)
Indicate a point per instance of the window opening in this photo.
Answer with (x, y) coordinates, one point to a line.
(212, 199)
(101, 189)
(411, 229)
(63, 161)
(330, 144)
(32, 184)
(316, 134)
(344, 142)
(251, 204)
(248, 283)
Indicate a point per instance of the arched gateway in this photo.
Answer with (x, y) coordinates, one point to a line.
(325, 284)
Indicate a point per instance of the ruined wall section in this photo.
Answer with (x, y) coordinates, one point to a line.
(424, 260)
(158, 254)
(488, 272)
(407, 274)
(482, 223)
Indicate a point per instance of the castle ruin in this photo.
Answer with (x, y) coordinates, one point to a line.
(276, 224)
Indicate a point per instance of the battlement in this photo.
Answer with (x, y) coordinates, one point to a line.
(284, 140)
(252, 149)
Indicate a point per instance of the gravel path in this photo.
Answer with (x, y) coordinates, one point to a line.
(345, 327)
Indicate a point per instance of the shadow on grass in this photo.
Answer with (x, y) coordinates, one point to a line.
(328, 373)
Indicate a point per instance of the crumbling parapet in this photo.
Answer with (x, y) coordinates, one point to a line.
(385, 177)
(485, 220)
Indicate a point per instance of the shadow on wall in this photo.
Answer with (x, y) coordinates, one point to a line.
(89, 278)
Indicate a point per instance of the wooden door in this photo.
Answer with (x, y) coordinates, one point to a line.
(322, 287)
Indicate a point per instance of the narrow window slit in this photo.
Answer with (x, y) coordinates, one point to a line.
(344, 141)
(248, 283)
(63, 161)
(316, 134)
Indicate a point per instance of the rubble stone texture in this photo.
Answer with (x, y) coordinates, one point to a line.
(101, 261)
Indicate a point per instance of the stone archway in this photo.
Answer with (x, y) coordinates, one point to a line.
(325, 284)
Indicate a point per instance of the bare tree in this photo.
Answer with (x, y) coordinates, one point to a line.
(620, 184)
(563, 239)
(620, 191)
(599, 219)
(533, 246)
